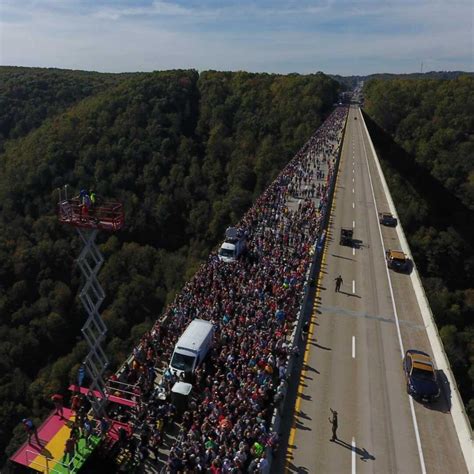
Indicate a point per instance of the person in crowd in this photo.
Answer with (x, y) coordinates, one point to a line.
(70, 449)
(31, 430)
(57, 399)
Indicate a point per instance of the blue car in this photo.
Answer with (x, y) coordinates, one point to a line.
(386, 218)
(420, 374)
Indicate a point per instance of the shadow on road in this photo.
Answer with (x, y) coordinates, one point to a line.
(340, 256)
(443, 404)
(297, 469)
(350, 294)
(315, 344)
(302, 414)
(362, 452)
(357, 244)
(308, 368)
(300, 426)
(304, 396)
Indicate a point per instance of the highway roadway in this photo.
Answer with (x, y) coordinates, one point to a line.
(353, 358)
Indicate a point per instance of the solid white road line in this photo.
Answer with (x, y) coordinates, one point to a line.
(397, 322)
(353, 456)
(353, 347)
(353, 286)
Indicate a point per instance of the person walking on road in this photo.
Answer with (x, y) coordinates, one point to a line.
(339, 282)
(333, 422)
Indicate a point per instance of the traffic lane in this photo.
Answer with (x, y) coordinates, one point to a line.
(343, 376)
(328, 386)
(392, 432)
(439, 439)
(370, 425)
(324, 385)
(399, 444)
(438, 436)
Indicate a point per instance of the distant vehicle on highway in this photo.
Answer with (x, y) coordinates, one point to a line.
(234, 245)
(386, 218)
(422, 383)
(397, 260)
(346, 237)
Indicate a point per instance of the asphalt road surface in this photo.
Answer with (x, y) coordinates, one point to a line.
(353, 359)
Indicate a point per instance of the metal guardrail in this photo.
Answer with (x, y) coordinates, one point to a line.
(47, 461)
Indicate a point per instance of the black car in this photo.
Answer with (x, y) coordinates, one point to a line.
(346, 237)
(386, 218)
(422, 383)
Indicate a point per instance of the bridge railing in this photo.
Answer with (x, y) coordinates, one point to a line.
(46, 465)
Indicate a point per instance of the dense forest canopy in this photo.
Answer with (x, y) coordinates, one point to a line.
(30, 95)
(186, 153)
(430, 169)
(350, 82)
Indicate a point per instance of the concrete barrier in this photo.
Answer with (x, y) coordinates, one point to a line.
(458, 412)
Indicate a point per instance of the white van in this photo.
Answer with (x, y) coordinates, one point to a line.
(192, 347)
(234, 245)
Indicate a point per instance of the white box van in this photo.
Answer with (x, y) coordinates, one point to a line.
(192, 347)
(234, 245)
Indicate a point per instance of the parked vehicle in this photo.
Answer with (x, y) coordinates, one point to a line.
(181, 396)
(346, 237)
(422, 383)
(192, 347)
(386, 218)
(397, 260)
(234, 245)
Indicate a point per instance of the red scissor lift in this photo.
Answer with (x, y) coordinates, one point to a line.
(106, 215)
(88, 220)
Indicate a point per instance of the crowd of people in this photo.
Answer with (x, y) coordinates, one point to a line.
(253, 303)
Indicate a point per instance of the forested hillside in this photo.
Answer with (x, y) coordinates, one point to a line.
(430, 170)
(350, 82)
(186, 153)
(30, 95)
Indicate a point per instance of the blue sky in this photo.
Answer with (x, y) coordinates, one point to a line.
(334, 36)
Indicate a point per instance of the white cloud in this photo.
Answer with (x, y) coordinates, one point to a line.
(159, 8)
(369, 36)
